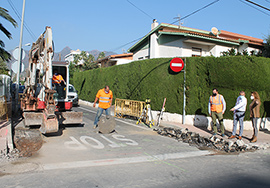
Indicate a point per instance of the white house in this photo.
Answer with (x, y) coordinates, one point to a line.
(117, 59)
(70, 57)
(167, 40)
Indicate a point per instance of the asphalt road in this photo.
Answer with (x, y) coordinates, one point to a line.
(132, 156)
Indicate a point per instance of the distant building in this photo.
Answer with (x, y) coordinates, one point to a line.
(166, 40)
(70, 57)
(117, 59)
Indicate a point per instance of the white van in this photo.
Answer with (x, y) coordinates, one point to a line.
(72, 95)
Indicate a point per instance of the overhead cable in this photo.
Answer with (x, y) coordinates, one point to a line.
(25, 24)
(257, 5)
(254, 7)
(196, 11)
(140, 10)
(125, 44)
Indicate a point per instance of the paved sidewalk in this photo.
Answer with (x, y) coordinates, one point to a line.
(263, 135)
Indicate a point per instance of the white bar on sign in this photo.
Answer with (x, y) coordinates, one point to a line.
(176, 64)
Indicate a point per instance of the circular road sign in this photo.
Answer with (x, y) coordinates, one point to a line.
(15, 53)
(14, 67)
(177, 64)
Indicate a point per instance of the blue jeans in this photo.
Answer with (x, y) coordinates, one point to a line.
(238, 116)
(99, 113)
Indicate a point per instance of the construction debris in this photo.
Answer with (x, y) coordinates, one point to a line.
(7, 156)
(211, 143)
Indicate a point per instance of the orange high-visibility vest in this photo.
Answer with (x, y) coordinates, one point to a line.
(216, 103)
(104, 98)
(57, 79)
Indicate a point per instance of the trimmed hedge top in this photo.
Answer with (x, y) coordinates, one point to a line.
(153, 79)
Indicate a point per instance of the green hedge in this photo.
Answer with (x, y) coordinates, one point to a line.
(153, 79)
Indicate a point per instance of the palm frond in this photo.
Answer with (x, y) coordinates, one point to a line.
(5, 55)
(4, 14)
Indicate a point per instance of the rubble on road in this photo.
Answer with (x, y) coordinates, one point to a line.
(211, 143)
(7, 156)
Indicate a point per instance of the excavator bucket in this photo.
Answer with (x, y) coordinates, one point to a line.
(70, 117)
(32, 118)
(49, 125)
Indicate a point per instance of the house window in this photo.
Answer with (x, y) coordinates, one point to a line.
(140, 58)
(147, 57)
(196, 52)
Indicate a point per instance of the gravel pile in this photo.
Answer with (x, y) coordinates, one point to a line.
(7, 156)
(211, 143)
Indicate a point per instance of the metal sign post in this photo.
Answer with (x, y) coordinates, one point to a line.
(19, 61)
(184, 93)
(177, 65)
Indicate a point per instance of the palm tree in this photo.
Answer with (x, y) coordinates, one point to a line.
(4, 55)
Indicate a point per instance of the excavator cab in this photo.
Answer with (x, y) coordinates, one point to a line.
(61, 95)
(60, 87)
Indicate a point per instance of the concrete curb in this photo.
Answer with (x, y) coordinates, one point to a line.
(199, 124)
(5, 137)
(196, 120)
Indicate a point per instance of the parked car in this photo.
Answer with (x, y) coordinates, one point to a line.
(73, 95)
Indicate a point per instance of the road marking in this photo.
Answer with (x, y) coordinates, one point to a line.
(128, 160)
(118, 119)
(75, 144)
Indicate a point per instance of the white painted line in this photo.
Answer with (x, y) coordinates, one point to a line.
(176, 64)
(118, 161)
(138, 126)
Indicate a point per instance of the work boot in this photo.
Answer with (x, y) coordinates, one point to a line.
(231, 137)
(254, 139)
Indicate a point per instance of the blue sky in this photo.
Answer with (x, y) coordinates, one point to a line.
(106, 25)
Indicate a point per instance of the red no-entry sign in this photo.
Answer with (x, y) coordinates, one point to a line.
(177, 64)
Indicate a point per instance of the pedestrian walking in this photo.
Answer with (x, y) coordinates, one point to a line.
(105, 97)
(239, 111)
(254, 108)
(216, 109)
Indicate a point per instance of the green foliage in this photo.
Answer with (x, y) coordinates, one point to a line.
(232, 52)
(4, 55)
(3, 67)
(101, 55)
(153, 79)
(88, 63)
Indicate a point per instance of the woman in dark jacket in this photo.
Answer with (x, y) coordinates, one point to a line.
(255, 113)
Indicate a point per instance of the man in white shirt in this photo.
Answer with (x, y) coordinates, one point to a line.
(239, 113)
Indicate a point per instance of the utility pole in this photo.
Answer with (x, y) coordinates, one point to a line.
(20, 60)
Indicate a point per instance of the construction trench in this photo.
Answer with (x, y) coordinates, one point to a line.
(220, 146)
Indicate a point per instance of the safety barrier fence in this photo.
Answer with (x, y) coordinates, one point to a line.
(125, 107)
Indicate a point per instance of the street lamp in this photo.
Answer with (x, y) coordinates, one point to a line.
(20, 60)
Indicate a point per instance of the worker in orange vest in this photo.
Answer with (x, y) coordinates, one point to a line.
(105, 97)
(216, 109)
(57, 82)
(57, 78)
